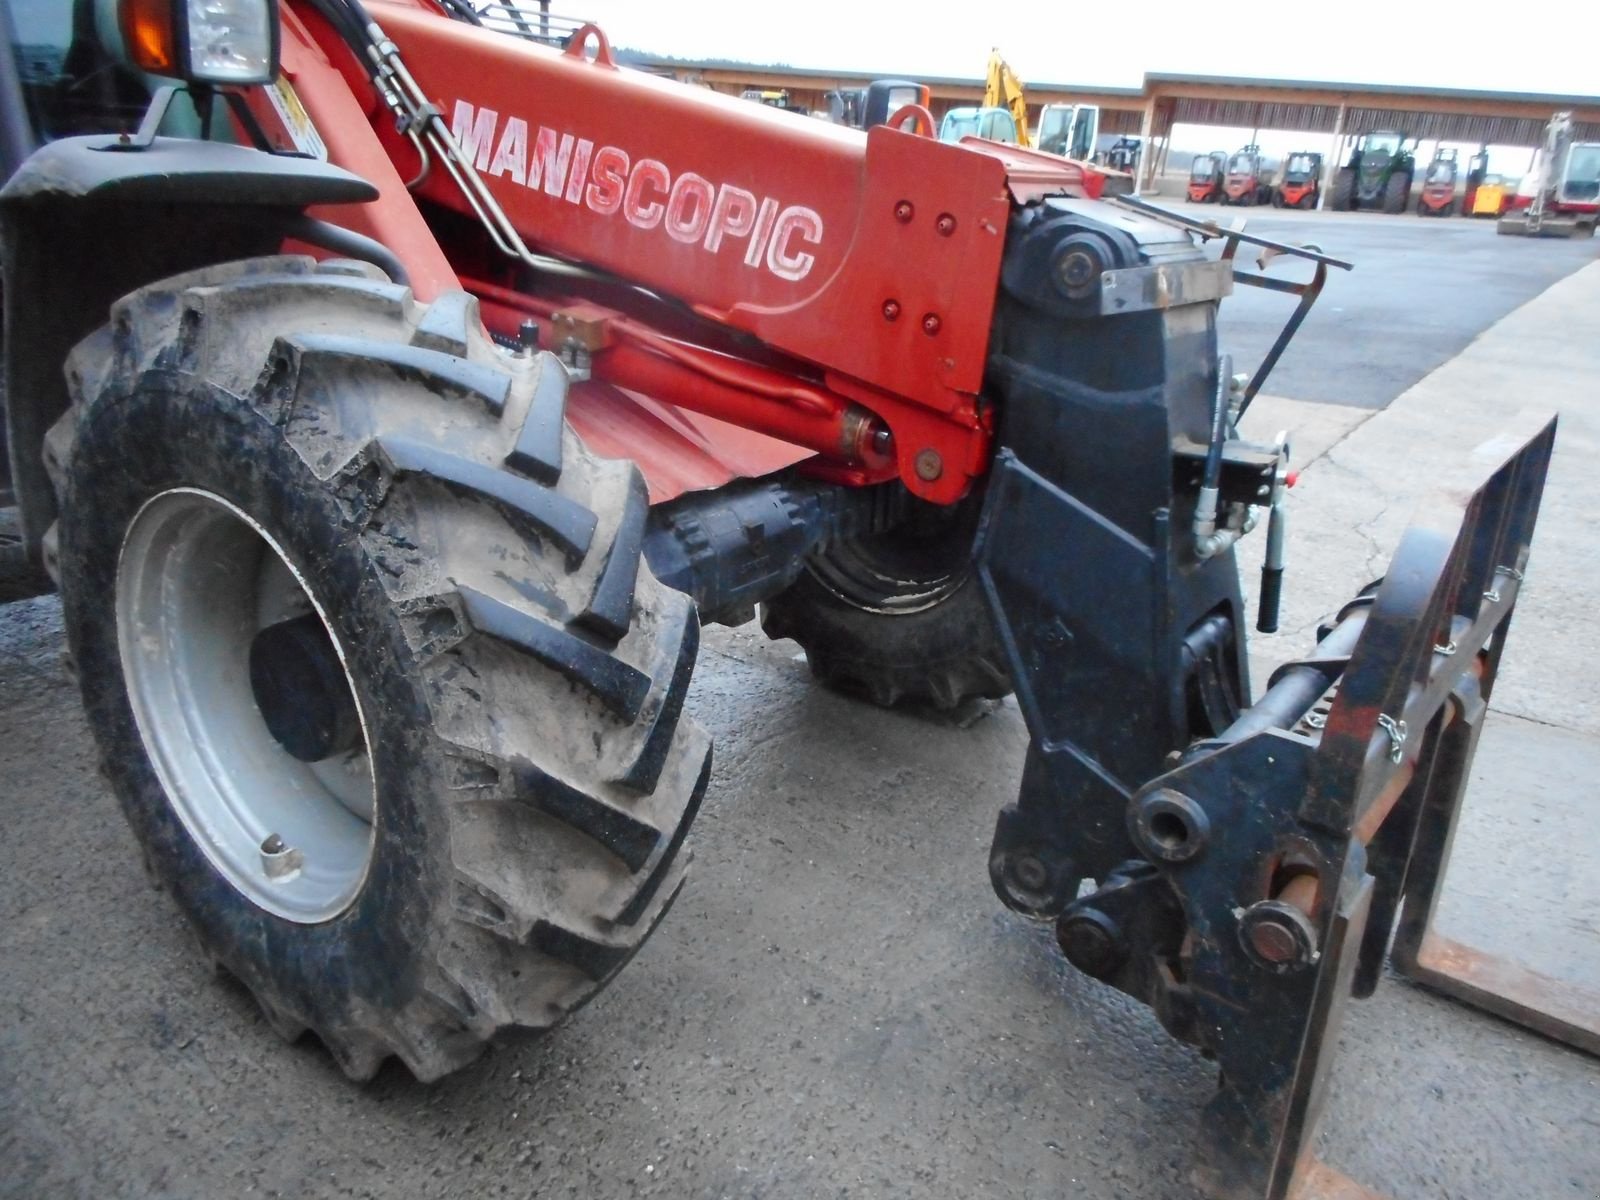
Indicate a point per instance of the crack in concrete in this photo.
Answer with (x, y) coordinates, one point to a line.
(1327, 451)
(1520, 715)
(1377, 560)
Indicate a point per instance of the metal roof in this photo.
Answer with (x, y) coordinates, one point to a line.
(1483, 129)
(1365, 106)
(1553, 100)
(638, 58)
(1153, 81)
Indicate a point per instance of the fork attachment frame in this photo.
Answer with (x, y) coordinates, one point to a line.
(1274, 859)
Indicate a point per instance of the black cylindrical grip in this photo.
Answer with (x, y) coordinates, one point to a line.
(1271, 593)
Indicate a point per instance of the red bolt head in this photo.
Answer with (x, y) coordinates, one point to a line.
(930, 324)
(891, 310)
(903, 211)
(946, 225)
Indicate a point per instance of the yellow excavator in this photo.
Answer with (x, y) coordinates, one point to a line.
(1002, 89)
(1003, 117)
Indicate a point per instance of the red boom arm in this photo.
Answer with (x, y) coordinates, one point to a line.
(869, 262)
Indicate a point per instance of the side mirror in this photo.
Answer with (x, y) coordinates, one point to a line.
(203, 41)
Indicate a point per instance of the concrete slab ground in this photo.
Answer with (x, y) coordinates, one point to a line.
(838, 1005)
(1520, 888)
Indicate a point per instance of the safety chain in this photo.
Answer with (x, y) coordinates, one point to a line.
(1493, 594)
(1397, 736)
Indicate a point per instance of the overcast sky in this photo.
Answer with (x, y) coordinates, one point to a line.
(1458, 43)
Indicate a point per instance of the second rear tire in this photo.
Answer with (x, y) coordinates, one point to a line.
(1396, 193)
(1344, 190)
(897, 617)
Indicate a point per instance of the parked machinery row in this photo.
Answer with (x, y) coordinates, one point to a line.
(1380, 175)
(1246, 179)
(1484, 195)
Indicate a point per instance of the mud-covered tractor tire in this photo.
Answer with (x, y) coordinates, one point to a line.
(1344, 190)
(20, 576)
(898, 618)
(1396, 193)
(517, 672)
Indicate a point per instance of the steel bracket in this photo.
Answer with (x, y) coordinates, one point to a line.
(1374, 820)
(1290, 846)
(1307, 292)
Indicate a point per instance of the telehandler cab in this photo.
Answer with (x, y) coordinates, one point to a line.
(390, 443)
(1070, 130)
(875, 104)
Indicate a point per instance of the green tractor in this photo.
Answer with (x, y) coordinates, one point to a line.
(1378, 175)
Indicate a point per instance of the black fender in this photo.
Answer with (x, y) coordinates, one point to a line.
(86, 220)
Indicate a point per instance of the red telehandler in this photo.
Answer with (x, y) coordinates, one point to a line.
(1207, 174)
(1247, 180)
(1301, 185)
(390, 442)
(1438, 195)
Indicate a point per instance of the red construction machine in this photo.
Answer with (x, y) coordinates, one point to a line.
(1247, 181)
(1560, 195)
(391, 436)
(1206, 176)
(1438, 195)
(1301, 184)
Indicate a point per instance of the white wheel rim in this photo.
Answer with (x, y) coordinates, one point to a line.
(196, 580)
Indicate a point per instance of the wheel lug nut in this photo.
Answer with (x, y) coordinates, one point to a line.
(278, 859)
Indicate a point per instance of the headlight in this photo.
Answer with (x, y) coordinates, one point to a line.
(203, 41)
(233, 41)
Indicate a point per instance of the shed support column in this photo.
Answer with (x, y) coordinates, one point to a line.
(1147, 125)
(1331, 170)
